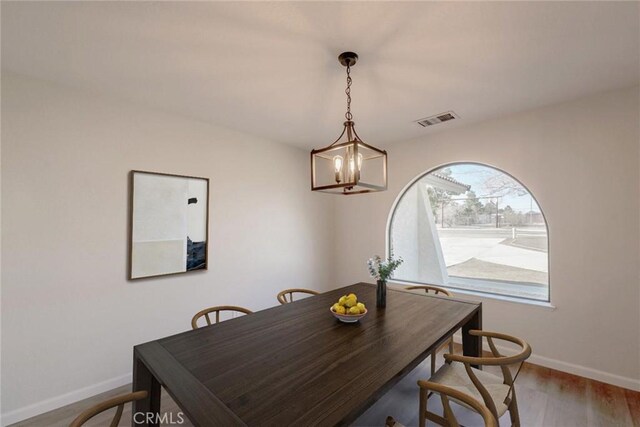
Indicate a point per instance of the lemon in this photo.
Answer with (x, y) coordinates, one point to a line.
(350, 301)
(354, 310)
(361, 307)
(342, 300)
(352, 296)
(335, 306)
(340, 310)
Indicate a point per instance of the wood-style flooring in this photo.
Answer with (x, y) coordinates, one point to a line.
(546, 398)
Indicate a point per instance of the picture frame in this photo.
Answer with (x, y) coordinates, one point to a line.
(168, 224)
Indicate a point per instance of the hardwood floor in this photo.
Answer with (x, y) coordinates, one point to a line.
(546, 398)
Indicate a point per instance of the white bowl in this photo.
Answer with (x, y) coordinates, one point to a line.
(348, 318)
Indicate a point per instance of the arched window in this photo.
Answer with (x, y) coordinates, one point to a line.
(472, 227)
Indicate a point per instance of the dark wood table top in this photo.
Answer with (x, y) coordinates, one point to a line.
(296, 364)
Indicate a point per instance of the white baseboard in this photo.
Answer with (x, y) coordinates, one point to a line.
(583, 371)
(572, 368)
(47, 405)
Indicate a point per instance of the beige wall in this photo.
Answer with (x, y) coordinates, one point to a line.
(69, 316)
(580, 159)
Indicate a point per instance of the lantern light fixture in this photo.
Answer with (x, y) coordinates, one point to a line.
(348, 166)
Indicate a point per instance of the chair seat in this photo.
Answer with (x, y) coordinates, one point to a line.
(455, 376)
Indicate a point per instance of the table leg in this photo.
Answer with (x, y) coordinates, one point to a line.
(472, 345)
(145, 412)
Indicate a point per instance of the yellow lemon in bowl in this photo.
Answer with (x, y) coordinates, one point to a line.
(351, 301)
(361, 307)
(354, 310)
(340, 310)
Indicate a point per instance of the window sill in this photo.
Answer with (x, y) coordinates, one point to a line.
(504, 298)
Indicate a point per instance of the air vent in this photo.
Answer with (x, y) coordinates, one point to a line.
(438, 118)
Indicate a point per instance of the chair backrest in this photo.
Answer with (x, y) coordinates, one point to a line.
(430, 288)
(207, 311)
(496, 359)
(449, 417)
(282, 296)
(118, 401)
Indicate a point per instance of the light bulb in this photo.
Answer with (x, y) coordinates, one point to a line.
(337, 167)
(352, 166)
(337, 163)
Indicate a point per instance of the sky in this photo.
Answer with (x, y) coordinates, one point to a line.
(487, 181)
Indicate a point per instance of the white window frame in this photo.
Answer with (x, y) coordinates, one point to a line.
(451, 284)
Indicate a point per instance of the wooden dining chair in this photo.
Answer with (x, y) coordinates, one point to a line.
(430, 289)
(118, 401)
(436, 291)
(207, 311)
(497, 393)
(449, 419)
(282, 296)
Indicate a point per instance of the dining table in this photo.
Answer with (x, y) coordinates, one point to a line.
(296, 364)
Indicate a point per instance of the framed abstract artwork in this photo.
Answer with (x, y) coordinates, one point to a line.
(169, 224)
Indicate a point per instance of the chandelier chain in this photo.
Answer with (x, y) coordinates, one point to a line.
(347, 91)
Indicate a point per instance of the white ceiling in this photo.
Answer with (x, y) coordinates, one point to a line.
(270, 69)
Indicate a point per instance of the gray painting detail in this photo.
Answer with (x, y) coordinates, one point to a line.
(169, 224)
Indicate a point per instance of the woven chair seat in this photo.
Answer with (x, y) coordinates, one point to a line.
(455, 376)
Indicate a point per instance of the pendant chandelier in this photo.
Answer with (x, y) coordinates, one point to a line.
(349, 165)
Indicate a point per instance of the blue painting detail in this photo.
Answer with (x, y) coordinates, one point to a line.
(196, 255)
